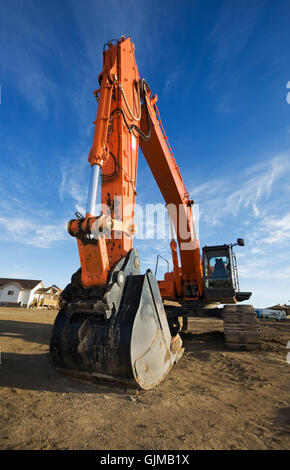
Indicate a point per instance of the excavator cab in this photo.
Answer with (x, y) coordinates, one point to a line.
(221, 281)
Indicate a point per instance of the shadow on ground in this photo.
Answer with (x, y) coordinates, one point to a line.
(27, 331)
(203, 342)
(37, 372)
(282, 420)
(34, 370)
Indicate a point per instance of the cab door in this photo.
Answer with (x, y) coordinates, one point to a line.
(219, 278)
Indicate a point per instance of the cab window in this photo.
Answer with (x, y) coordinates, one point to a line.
(218, 272)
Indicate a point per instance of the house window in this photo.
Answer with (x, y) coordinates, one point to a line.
(11, 292)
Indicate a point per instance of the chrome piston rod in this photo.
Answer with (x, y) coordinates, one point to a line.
(93, 189)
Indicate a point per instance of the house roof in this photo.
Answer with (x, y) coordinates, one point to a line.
(42, 290)
(24, 283)
(54, 289)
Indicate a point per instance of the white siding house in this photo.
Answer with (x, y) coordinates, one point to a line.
(19, 292)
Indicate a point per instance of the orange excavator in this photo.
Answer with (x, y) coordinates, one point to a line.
(116, 324)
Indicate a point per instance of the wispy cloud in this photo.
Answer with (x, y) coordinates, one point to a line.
(232, 33)
(18, 272)
(225, 105)
(31, 232)
(278, 229)
(22, 64)
(171, 80)
(256, 270)
(254, 203)
(75, 181)
(27, 215)
(225, 196)
(233, 28)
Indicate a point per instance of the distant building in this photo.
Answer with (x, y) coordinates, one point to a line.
(18, 292)
(46, 297)
(28, 293)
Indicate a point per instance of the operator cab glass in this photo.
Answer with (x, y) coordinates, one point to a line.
(218, 272)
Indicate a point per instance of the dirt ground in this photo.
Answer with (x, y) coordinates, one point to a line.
(212, 399)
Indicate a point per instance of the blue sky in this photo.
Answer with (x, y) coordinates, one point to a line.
(220, 69)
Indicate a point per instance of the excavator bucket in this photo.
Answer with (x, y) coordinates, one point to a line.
(123, 338)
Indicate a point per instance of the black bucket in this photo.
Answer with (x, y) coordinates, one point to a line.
(134, 346)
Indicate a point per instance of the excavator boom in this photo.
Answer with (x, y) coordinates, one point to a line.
(164, 168)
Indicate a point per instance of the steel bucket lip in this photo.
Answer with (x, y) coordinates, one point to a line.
(151, 292)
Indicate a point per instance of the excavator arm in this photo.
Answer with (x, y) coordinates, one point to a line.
(122, 124)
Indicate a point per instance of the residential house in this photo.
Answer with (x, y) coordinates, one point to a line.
(46, 297)
(28, 293)
(18, 292)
